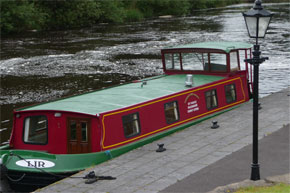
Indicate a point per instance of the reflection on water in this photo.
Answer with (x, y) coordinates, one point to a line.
(37, 67)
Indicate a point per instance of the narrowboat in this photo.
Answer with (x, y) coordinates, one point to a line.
(55, 139)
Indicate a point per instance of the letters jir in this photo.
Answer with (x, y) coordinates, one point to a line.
(37, 164)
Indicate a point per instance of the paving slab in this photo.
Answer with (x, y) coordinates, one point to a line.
(190, 153)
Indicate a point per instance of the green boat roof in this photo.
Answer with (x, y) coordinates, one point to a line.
(224, 46)
(124, 95)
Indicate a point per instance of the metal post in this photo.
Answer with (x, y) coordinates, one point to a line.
(255, 174)
(256, 13)
(256, 61)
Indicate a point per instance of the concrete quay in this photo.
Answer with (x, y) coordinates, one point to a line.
(196, 157)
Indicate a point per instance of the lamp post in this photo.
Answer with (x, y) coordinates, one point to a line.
(257, 21)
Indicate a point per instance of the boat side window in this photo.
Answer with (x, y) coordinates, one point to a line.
(242, 57)
(171, 112)
(172, 61)
(217, 63)
(234, 61)
(192, 61)
(84, 130)
(73, 130)
(35, 130)
(230, 91)
(131, 124)
(211, 99)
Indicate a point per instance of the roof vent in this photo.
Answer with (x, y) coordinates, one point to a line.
(189, 80)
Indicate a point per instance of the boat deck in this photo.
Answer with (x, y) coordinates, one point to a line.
(124, 95)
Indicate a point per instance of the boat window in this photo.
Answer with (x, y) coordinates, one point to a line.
(73, 130)
(84, 131)
(218, 63)
(172, 61)
(35, 130)
(171, 112)
(234, 61)
(192, 61)
(211, 99)
(131, 124)
(244, 54)
(242, 58)
(230, 91)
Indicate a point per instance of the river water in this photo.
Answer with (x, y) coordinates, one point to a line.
(37, 67)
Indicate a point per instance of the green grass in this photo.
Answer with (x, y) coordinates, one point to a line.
(279, 188)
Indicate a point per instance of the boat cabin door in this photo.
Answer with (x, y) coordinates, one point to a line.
(78, 135)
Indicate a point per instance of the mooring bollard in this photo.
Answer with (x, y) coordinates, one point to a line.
(215, 124)
(161, 148)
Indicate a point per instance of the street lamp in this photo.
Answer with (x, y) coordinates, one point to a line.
(257, 21)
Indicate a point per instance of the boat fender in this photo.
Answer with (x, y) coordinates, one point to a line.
(108, 153)
(3, 171)
(3, 168)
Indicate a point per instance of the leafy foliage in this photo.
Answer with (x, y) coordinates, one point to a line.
(70, 13)
(133, 15)
(23, 15)
(112, 11)
(17, 16)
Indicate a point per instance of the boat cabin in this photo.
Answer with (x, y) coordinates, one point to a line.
(120, 115)
(220, 58)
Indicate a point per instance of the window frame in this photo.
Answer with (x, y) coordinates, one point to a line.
(196, 54)
(235, 90)
(211, 95)
(138, 121)
(86, 131)
(178, 114)
(234, 58)
(212, 58)
(175, 59)
(24, 129)
(76, 128)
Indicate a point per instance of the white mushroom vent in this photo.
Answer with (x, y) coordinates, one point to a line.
(189, 80)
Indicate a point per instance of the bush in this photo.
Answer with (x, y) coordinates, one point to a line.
(133, 15)
(18, 16)
(112, 11)
(70, 13)
(146, 7)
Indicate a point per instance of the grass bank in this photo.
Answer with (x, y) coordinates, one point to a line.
(278, 188)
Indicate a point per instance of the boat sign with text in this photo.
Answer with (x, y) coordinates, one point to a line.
(35, 163)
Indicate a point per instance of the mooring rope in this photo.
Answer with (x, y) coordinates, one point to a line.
(13, 180)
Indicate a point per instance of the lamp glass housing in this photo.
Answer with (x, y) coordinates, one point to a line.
(257, 26)
(257, 20)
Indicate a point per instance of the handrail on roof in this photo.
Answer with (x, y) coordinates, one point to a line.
(222, 45)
